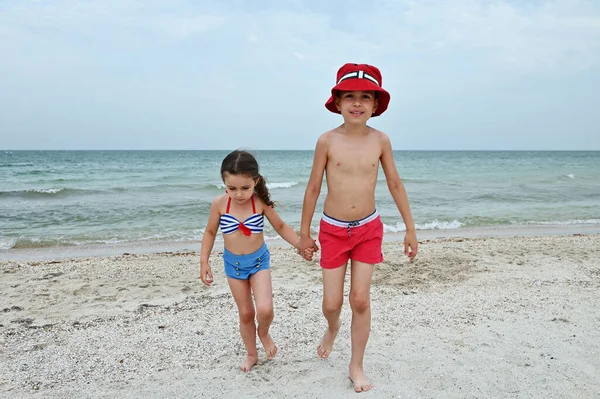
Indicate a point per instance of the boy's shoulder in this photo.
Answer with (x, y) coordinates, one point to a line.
(377, 133)
(329, 133)
(326, 138)
(339, 132)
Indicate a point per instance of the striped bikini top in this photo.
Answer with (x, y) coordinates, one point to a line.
(254, 224)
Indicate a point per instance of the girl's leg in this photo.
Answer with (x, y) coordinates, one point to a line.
(361, 276)
(243, 298)
(263, 296)
(333, 298)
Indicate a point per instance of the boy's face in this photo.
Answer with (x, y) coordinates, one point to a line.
(239, 187)
(356, 106)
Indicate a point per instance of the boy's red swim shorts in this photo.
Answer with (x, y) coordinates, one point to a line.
(359, 240)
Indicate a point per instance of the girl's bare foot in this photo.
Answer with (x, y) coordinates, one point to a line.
(326, 345)
(360, 381)
(247, 365)
(269, 346)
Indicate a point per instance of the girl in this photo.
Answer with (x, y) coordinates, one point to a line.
(240, 212)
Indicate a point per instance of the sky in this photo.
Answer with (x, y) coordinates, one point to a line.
(201, 75)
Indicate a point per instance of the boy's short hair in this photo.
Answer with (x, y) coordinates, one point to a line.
(351, 77)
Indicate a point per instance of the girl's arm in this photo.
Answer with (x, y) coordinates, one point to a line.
(283, 229)
(208, 240)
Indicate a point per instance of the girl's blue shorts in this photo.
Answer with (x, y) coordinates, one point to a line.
(241, 267)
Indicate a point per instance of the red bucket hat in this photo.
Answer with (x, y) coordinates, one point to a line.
(363, 77)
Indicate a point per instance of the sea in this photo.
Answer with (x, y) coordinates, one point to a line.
(56, 204)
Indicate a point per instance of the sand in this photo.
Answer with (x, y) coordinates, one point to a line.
(477, 317)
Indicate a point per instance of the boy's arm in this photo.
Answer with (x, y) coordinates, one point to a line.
(208, 240)
(400, 197)
(311, 195)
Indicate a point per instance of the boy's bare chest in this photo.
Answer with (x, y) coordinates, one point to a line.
(353, 159)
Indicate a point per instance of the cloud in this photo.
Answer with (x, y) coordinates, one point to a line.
(529, 37)
(173, 19)
(556, 37)
(546, 36)
(246, 70)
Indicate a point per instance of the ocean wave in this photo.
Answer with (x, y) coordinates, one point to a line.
(563, 222)
(46, 192)
(65, 192)
(488, 222)
(433, 225)
(16, 165)
(23, 242)
(157, 187)
(7, 243)
(35, 242)
(381, 177)
(498, 198)
(270, 186)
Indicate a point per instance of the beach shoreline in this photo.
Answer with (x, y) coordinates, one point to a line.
(472, 317)
(187, 246)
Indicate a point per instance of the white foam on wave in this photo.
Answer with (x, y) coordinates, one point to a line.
(7, 243)
(571, 175)
(45, 190)
(271, 186)
(433, 225)
(566, 222)
(271, 238)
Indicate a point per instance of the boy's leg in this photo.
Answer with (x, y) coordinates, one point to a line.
(240, 289)
(263, 296)
(360, 301)
(333, 298)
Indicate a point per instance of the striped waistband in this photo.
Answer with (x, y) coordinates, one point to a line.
(355, 223)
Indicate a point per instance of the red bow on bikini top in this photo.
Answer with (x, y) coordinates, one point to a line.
(246, 231)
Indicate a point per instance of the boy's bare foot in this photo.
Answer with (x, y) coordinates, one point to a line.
(269, 346)
(360, 381)
(247, 365)
(326, 345)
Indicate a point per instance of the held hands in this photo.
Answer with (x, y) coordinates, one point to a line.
(206, 274)
(411, 244)
(308, 253)
(306, 247)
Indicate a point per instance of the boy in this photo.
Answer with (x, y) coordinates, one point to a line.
(350, 227)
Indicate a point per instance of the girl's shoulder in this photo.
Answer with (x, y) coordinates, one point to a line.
(221, 202)
(260, 205)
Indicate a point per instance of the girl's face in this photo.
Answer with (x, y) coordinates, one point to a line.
(240, 188)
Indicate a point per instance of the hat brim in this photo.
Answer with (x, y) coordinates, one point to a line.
(362, 85)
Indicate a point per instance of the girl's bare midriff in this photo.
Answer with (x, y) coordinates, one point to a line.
(243, 244)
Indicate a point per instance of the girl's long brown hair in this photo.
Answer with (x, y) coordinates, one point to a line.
(241, 162)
